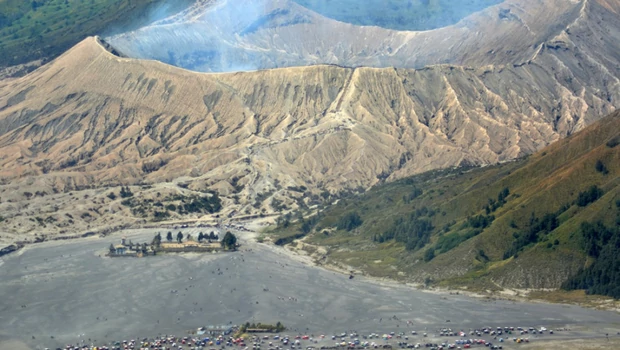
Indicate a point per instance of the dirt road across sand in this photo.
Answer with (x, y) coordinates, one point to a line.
(64, 292)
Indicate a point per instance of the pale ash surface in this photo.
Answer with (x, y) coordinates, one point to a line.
(66, 290)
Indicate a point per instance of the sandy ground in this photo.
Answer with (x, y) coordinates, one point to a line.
(13, 345)
(59, 292)
(588, 344)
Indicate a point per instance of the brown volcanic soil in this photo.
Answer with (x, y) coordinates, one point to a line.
(90, 120)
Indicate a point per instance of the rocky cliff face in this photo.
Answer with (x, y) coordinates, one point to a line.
(91, 119)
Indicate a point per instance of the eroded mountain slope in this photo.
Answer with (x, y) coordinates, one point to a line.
(532, 223)
(91, 119)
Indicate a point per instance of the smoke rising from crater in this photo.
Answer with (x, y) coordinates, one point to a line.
(410, 15)
(242, 35)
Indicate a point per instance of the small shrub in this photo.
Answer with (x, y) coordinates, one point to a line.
(428, 281)
(429, 254)
(601, 168)
(128, 202)
(613, 142)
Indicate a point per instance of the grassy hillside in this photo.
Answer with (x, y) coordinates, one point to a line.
(31, 30)
(517, 224)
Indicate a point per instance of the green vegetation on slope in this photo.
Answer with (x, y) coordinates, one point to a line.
(38, 29)
(516, 224)
(162, 208)
(603, 276)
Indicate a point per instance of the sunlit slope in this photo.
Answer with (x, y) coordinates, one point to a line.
(515, 225)
(92, 119)
(90, 112)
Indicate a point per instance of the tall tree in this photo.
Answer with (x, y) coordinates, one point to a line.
(169, 236)
(126, 192)
(179, 237)
(229, 241)
(156, 240)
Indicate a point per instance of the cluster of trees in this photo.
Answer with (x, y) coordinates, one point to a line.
(496, 204)
(414, 230)
(211, 236)
(591, 195)
(126, 192)
(480, 221)
(595, 237)
(210, 204)
(150, 167)
(189, 204)
(229, 241)
(415, 193)
(308, 224)
(277, 204)
(448, 242)
(349, 221)
(476, 223)
(603, 276)
(159, 215)
(300, 189)
(537, 229)
(180, 237)
(284, 221)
